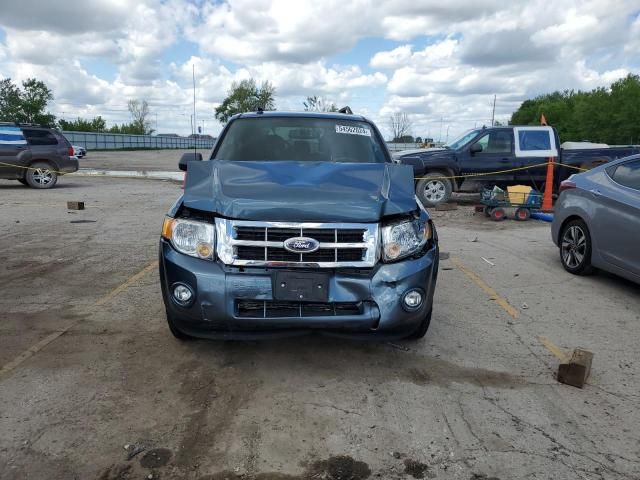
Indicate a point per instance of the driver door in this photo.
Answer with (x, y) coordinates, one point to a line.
(495, 155)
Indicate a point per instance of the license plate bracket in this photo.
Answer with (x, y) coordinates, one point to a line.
(301, 287)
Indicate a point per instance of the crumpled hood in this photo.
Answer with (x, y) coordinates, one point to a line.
(300, 191)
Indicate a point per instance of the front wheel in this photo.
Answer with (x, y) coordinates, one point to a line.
(522, 214)
(41, 175)
(575, 248)
(498, 214)
(433, 189)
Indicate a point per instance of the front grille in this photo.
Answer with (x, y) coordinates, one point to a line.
(276, 254)
(276, 309)
(328, 235)
(262, 244)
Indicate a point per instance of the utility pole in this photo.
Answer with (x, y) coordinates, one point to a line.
(440, 135)
(194, 106)
(493, 112)
(156, 123)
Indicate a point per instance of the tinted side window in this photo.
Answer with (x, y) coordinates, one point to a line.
(627, 174)
(534, 140)
(40, 137)
(496, 142)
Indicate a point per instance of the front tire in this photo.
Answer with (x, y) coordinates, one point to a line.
(41, 175)
(498, 214)
(433, 189)
(522, 214)
(575, 248)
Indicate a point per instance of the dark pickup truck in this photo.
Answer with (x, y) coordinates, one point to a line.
(507, 150)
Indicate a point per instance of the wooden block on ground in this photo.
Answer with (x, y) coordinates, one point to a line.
(75, 205)
(443, 207)
(576, 371)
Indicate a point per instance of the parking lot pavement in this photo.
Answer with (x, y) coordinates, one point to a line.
(140, 160)
(92, 367)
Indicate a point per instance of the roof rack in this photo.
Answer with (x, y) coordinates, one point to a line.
(6, 124)
(346, 109)
(29, 125)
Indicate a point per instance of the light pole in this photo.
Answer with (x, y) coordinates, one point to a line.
(447, 139)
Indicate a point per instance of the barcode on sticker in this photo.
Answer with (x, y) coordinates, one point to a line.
(353, 130)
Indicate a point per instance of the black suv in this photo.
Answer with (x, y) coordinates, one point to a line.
(34, 155)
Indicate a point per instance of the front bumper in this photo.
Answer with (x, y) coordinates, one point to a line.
(220, 289)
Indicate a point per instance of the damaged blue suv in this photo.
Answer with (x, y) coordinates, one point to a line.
(298, 223)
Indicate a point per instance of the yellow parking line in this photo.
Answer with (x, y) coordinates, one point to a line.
(555, 350)
(493, 295)
(29, 352)
(126, 284)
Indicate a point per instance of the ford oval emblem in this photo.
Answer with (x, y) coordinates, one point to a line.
(301, 245)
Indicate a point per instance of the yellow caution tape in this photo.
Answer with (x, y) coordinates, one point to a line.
(75, 174)
(468, 175)
(484, 174)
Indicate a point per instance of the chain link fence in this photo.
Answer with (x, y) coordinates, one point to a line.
(116, 141)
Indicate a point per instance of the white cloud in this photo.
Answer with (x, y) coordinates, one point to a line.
(446, 59)
(65, 17)
(255, 31)
(46, 47)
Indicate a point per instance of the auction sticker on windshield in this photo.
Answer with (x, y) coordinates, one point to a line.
(350, 130)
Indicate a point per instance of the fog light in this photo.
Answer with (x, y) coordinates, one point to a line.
(412, 300)
(182, 294)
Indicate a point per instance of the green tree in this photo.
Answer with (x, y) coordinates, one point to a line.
(26, 105)
(319, 104)
(126, 128)
(97, 124)
(246, 97)
(610, 115)
(10, 103)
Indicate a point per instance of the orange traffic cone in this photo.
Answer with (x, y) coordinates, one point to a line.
(547, 199)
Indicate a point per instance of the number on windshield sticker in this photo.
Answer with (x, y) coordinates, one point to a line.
(353, 130)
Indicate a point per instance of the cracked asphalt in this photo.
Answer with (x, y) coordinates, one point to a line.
(476, 398)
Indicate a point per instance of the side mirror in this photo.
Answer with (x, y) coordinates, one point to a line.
(475, 148)
(188, 157)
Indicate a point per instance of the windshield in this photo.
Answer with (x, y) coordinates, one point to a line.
(301, 139)
(463, 139)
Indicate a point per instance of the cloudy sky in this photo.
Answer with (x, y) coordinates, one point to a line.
(440, 61)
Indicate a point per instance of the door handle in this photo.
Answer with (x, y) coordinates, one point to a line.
(596, 192)
(505, 160)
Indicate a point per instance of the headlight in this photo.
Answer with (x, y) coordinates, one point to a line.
(403, 239)
(190, 237)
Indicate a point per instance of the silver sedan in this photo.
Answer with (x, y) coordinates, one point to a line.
(597, 220)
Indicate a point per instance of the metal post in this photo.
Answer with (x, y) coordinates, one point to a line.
(493, 112)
